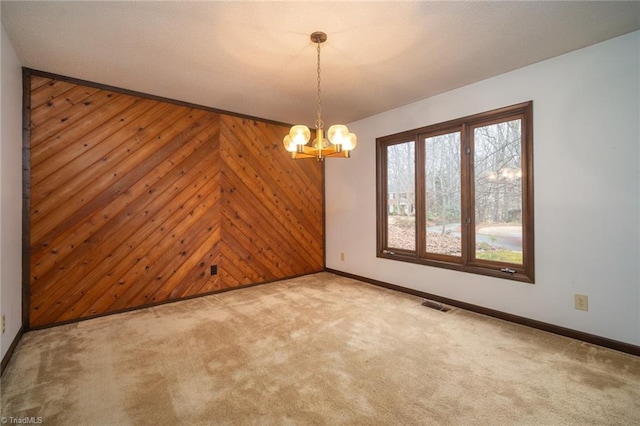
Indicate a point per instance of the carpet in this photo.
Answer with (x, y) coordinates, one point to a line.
(318, 349)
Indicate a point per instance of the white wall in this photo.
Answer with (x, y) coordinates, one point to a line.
(587, 192)
(10, 191)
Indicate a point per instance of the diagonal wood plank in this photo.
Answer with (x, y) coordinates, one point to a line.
(132, 200)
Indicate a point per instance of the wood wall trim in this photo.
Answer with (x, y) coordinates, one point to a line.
(16, 340)
(155, 304)
(551, 328)
(26, 197)
(10, 351)
(81, 82)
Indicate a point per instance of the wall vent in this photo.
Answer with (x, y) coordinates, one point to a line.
(436, 305)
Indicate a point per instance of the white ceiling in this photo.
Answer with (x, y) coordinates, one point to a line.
(256, 58)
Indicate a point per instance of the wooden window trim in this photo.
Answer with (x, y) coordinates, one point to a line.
(467, 261)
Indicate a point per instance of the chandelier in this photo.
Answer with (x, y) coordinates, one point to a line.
(340, 142)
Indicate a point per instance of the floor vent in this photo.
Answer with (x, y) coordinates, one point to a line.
(436, 305)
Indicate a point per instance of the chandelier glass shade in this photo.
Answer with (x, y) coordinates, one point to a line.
(338, 142)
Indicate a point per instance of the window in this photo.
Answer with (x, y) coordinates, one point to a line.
(459, 194)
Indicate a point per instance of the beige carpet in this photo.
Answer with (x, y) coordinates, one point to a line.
(319, 349)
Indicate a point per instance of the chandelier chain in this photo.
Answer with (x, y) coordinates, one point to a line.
(319, 122)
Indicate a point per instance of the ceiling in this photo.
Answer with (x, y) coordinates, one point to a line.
(256, 58)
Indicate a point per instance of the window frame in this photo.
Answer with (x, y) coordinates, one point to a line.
(467, 262)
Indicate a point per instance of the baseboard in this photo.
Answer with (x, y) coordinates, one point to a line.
(12, 348)
(556, 329)
(154, 304)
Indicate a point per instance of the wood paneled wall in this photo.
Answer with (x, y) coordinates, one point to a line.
(271, 206)
(132, 200)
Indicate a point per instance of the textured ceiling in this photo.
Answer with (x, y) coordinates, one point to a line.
(256, 58)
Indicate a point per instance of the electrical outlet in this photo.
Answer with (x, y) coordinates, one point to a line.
(4, 323)
(342, 257)
(581, 302)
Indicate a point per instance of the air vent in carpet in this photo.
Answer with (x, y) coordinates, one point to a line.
(436, 305)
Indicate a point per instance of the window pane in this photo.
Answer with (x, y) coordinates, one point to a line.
(401, 209)
(498, 192)
(442, 198)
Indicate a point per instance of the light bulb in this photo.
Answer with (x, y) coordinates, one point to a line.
(337, 134)
(300, 134)
(350, 142)
(288, 144)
